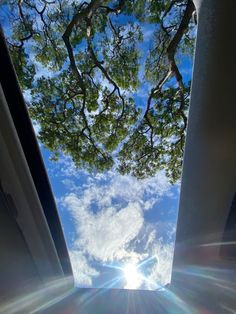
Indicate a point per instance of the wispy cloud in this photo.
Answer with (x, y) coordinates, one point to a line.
(106, 234)
(160, 272)
(108, 212)
(83, 272)
(107, 188)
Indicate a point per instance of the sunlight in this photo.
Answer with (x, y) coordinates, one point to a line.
(132, 276)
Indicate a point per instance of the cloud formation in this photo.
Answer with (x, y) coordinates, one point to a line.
(108, 211)
(83, 272)
(160, 272)
(105, 235)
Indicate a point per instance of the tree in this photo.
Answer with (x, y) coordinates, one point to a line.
(92, 58)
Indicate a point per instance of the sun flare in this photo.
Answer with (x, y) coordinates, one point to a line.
(132, 276)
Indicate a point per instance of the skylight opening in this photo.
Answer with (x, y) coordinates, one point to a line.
(107, 84)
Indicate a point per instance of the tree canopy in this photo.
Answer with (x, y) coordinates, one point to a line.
(101, 92)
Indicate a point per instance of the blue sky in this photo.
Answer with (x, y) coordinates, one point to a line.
(110, 221)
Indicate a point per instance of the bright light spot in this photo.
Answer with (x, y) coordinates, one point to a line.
(132, 276)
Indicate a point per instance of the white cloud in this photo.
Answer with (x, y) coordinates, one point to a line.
(108, 213)
(147, 31)
(111, 188)
(83, 272)
(154, 276)
(160, 272)
(37, 127)
(105, 235)
(27, 96)
(65, 168)
(70, 184)
(150, 239)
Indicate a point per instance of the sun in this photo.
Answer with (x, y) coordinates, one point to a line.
(132, 276)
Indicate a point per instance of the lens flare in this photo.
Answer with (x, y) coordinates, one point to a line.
(132, 276)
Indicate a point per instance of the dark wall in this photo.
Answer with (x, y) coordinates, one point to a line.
(17, 269)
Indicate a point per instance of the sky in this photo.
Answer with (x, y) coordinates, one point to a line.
(120, 231)
(111, 221)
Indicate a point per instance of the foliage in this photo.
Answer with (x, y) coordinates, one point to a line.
(85, 62)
